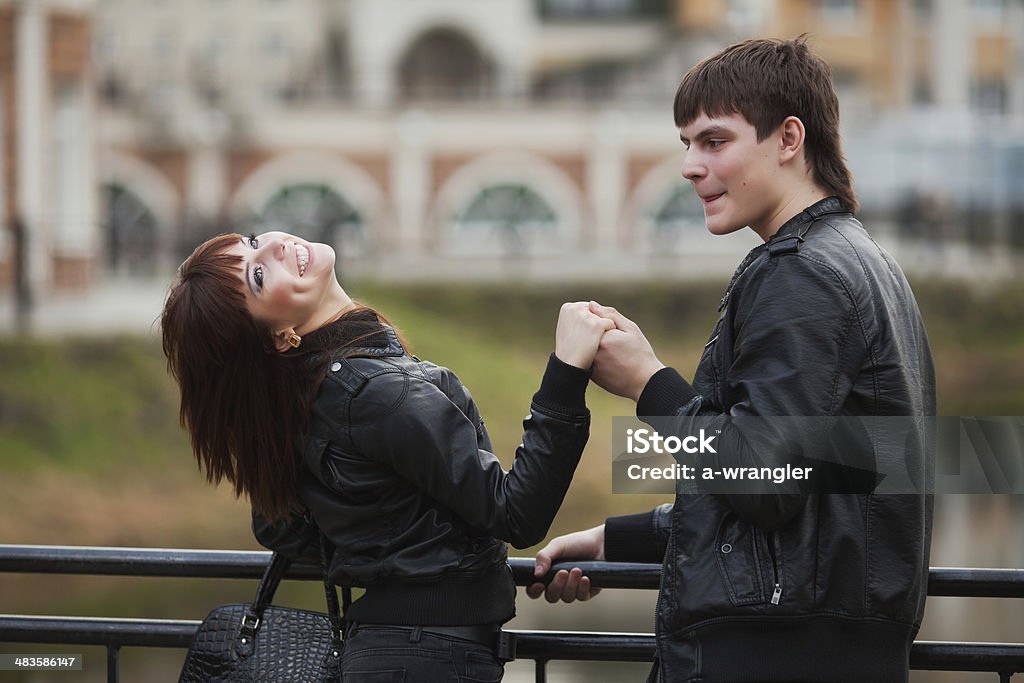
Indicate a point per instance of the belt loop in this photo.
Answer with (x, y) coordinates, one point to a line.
(417, 633)
(505, 647)
(350, 629)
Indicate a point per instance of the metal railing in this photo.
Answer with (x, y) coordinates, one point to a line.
(1004, 659)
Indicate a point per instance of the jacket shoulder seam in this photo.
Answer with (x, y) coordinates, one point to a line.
(392, 406)
(853, 314)
(869, 348)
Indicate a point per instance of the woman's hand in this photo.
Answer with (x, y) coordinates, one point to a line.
(579, 333)
(568, 586)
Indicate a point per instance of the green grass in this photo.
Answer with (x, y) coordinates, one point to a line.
(91, 451)
(90, 405)
(85, 405)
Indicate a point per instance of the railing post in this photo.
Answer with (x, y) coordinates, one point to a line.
(113, 657)
(540, 670)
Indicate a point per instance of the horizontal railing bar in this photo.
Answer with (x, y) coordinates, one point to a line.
(601, 574)
(932, 655)
(584, 646)
(209, 564)
(97, 631)
(249, 564)
(547, 645)
(975, 582)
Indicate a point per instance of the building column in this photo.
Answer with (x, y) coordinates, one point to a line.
(206, 178)
(30, 101)
(410, 184)
(374, 84)
(4, 200)
(952, 46)
(1015, 96)
(75, 234)
(606, 180)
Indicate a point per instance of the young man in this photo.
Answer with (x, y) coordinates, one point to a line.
(817, 321)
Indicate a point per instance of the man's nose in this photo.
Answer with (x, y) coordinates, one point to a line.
(693, 167)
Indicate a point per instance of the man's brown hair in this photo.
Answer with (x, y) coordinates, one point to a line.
(766, 81)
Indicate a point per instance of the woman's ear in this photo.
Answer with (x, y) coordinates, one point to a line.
(286, 340)
(791, 139)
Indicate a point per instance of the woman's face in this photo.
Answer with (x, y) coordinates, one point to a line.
(289, 283)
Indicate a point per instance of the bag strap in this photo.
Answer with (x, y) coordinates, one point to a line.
(272, 576)
(330, 591)
(264, 594)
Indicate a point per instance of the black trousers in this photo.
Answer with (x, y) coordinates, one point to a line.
(385, 654)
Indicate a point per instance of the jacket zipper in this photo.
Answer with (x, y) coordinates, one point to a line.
(777, 593)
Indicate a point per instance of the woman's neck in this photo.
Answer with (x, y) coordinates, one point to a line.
(335, 304)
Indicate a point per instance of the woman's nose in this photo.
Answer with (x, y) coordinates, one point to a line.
(273, 248)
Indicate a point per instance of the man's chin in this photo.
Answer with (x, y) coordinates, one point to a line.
(721, 228)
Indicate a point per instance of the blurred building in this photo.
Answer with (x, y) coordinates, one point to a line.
(471, 138)
(48, 172)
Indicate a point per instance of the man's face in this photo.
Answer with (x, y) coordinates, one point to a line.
(735, 175)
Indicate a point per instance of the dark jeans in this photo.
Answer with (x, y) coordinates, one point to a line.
(381, 654)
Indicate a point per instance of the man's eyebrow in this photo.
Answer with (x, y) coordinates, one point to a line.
(706, 133)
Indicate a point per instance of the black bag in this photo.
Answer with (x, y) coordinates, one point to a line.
(266, 644)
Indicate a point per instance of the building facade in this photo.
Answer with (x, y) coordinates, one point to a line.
(462, 139)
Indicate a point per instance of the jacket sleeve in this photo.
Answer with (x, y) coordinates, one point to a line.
(795, 354)
(413, 426)
(641, 537)
(297, 538)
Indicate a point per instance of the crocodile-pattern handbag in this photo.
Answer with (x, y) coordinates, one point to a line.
(259, 642)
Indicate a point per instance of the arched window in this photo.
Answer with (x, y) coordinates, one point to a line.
(316, 213)
(130, 231)
(509, 218)
(444, 64)
(680, 214)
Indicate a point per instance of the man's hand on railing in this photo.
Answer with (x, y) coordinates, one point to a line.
(568, 586)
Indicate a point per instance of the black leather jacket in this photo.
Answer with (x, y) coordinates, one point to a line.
(818, 321)
(400, 475)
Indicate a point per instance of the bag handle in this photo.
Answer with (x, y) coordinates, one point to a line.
(330, 591)
(269, 582)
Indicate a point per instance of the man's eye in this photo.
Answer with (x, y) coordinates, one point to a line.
(257, 275)
(714, 144)
(253, 242)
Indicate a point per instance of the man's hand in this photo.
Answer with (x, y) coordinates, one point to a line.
(578, 333)
(625, 360)
(568, 586)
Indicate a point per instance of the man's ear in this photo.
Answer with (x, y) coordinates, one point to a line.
(281, 339)
(791, 139)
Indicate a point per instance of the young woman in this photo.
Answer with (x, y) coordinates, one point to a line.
(309, 404)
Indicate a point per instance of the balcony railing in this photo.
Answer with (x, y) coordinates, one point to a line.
(1004, 659)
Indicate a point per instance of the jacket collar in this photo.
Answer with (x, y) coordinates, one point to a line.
(392, 348)
(798, 224)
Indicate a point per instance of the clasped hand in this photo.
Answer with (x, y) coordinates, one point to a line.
(591, 335)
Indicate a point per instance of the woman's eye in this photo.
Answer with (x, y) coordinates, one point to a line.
(253, 242)
(257, 276)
